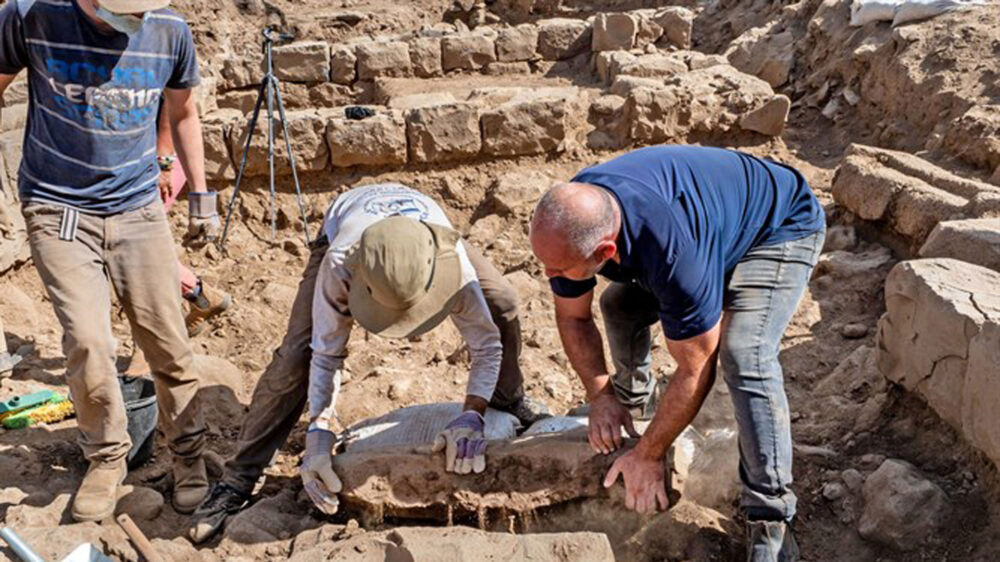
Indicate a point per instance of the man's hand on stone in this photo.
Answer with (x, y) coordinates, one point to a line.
(318, 478)
(645, 486)
(607, 418)
(463, 442)
(203, 220)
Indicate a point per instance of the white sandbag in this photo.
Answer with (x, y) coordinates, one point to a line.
(556, 424)
(418, 425)
(916, 10)
(867, 11)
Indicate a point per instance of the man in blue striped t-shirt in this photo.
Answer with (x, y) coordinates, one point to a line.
(97, 71)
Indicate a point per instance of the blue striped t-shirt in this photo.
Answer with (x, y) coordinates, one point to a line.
(90, 139)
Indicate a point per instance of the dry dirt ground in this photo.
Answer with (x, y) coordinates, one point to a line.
(846, 418)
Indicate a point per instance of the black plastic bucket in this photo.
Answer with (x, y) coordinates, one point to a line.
(140, 410)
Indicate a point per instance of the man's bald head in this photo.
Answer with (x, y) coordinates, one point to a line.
(570, 223)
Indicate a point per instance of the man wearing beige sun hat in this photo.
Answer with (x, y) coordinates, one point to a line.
(388, 259)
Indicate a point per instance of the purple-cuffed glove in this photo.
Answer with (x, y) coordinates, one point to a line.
(318, 478)
(463, 443)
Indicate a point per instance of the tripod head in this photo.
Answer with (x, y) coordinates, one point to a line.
(271, 35)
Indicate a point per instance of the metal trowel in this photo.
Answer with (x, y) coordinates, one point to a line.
(86, 552)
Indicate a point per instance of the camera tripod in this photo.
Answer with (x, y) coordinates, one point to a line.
(268, 90)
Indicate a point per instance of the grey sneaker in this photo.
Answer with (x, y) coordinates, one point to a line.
(8, 361)
(771, 541)
(528, 410)
(222, 501)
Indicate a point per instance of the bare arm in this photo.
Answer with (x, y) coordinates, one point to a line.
(185, 125)
(582, 342)
(696, 360)
(5, 80)
(164, 138)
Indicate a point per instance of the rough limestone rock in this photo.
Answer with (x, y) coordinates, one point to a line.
(975, 136)
(676, 22)
(140, 503)
(383, 59)
(216, 129)
(519, 43)
(11, 143)
(902, 508)
(609, 64)
(624, 84)
(13, 117)
(765, 53)
(768, 119)
(57, 542)
(613, 32)
(706, 101)
(522, 475)
(51, 514)
(562, 38)
(443, 133)
(906, 194)
(414, 101)
(457, 544)
(305, 130)
(496, 68)
(515, 193)
(972, 240)
(468, 51)
(525, 126)
(379, 140)
(14, 248)
(655, 65)
(305, 61)
(275, 518)
(425, 56)
(940, 338)
(343, 65)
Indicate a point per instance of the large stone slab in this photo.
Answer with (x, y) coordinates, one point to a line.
(425, 56)
(905, 195)
(614, 32)
(305, 61)
(379, 140)
(972, 240)
(468, 51)
(519, 43)
(521, 475)
(677, 23)
(443, 133)
(562, 38)
(525, 126)
(383, 59)
(216, 131)
(343, 65)
(903, 509)
(940, 338)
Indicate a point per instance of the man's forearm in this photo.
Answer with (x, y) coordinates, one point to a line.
(585, 349)
(164, 137)
(476, 403)
(678, 406)
(190, 148)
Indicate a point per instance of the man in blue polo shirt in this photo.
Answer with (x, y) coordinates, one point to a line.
(97, 71)
(718, 246)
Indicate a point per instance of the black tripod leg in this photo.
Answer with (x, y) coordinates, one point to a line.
(272, 86)
(243, 163)
(291, 160)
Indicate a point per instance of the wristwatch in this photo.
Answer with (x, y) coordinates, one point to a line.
(166, 163)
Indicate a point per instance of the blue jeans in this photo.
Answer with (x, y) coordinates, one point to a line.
(762, 294)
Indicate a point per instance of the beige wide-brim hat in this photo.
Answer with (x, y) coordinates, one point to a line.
(401, 244)
(133, 6)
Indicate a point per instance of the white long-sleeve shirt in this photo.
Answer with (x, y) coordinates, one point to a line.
(345, 221)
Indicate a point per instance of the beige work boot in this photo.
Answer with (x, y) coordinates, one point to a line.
(137, 364)
(98, 492)
(190, 484)
(209, 303)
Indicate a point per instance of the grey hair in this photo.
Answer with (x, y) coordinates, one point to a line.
(582, 231)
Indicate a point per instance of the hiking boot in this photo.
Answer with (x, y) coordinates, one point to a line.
(529, 410)
(205, 303)
(190, 484)
(223, 500)
(137, 365)
(771, 541)
(8, 361)
(98, 492)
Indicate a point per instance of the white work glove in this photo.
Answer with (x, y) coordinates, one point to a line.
(203, 218)
(318, 478)
(463, 443)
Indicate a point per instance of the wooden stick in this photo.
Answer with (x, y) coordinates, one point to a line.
(142, 544)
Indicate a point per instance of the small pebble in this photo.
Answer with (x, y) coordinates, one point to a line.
(833, 491)
(854, 331)
(853, 479)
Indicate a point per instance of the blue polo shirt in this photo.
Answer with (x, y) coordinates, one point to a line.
(90, 138)
(689, 214)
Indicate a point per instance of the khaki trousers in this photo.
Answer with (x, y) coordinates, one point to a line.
(280, 395)
(133, 254)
